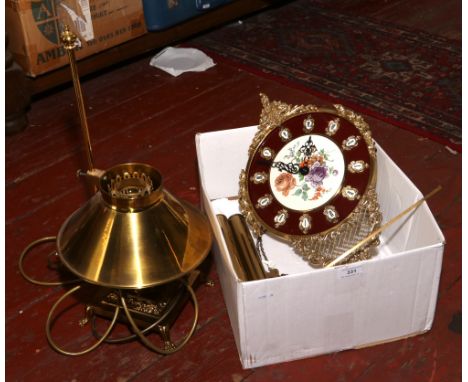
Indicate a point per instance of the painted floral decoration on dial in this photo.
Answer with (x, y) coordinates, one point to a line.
(307, 172)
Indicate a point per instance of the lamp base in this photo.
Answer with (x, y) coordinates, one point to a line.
(155, 308)
(143, 310)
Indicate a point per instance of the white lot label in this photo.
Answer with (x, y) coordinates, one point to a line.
(350, 271)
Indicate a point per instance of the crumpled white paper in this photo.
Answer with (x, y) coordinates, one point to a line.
(176, 61)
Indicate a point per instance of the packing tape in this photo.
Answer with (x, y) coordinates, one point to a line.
(81, 18)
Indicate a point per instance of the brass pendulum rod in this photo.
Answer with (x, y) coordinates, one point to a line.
(69, 40)
(373, 234)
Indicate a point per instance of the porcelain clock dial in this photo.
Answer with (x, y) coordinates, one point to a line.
(307, 172)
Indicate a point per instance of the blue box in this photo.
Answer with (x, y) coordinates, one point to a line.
(162, 14)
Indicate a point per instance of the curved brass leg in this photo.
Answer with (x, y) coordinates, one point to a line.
(30, 279)
(147, 342)
(92, 347)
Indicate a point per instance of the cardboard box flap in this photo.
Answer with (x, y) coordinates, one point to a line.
(219, 161)
(331, 312)
(402, 193)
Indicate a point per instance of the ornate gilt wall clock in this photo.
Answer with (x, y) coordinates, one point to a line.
(310, 180)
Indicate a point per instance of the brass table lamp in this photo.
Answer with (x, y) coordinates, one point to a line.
(134, 241)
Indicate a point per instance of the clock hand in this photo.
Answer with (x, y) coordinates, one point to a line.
(308, 148)
(292, 168)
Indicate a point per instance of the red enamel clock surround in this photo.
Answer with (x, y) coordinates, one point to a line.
(343, 206)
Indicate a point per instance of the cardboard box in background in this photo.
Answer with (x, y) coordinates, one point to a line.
(309, 311)
(33, 29)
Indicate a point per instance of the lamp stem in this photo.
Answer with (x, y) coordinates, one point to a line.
(69, 40)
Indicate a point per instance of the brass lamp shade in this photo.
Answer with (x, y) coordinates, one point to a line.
(133, 233)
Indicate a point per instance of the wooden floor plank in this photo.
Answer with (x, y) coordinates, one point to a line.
(119, 115)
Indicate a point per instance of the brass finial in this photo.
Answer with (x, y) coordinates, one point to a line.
(68, 38)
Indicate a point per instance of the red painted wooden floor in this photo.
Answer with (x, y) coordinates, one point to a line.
(137, 113)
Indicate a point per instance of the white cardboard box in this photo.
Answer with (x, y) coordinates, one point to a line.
(317, 311)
